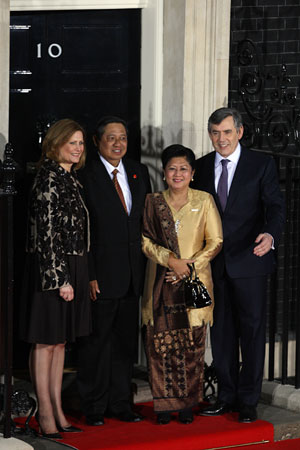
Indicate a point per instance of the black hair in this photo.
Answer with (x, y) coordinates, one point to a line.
(175, 151)
(106, 120)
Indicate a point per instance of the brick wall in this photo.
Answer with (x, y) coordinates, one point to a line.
(274, 28)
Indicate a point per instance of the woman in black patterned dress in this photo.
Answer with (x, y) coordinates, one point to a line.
(56, 304)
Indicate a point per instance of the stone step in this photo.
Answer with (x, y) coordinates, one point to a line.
(13, 444)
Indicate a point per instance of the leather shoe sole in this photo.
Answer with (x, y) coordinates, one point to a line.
(217, 409)
(95, 421)
(247, 414)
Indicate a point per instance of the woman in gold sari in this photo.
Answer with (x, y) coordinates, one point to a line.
(181, 226)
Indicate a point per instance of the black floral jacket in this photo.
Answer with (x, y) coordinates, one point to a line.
(58, 223)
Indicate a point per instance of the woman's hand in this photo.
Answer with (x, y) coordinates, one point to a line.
(179, 267)
(67, 292)
(94, 290)
(171, 277)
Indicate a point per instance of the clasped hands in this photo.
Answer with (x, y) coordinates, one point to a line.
(179, 269)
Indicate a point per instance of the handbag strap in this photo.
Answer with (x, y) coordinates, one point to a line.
(193, 271)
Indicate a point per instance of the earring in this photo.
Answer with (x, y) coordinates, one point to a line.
(164, 178)
(192, 179)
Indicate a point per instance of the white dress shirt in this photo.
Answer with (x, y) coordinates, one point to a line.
(233, 160)
(122, 180)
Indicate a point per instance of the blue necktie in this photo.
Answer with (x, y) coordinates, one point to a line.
(223, 184)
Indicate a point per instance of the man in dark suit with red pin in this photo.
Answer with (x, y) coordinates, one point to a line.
(115, 188)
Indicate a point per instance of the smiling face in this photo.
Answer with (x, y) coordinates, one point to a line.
(70, 153)
(113, 143)
(178, 173)
(225, 136)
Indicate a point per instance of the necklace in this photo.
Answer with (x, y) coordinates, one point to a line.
(178, 221)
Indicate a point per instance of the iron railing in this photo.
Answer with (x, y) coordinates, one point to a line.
(272, 124)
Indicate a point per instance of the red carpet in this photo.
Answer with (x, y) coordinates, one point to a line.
(204, 433)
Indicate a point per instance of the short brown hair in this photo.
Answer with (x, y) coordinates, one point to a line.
(58, 134)
(222, 113)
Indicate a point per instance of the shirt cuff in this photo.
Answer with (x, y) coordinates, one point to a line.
(272, 246)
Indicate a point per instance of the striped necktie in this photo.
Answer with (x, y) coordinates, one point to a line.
(118, 189)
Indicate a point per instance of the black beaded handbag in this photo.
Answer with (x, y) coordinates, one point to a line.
(196, 294)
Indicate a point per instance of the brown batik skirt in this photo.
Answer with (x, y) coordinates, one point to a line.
(176, 378)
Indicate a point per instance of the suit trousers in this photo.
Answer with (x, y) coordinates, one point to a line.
(105, 359)
(239, 328)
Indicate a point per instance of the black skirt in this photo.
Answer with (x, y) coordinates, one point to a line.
(45, 318)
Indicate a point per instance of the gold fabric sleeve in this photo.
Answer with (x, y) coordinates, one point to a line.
(160, 255)
(200, 237)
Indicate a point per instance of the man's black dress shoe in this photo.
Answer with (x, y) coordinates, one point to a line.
(217, 409)
(128, 416)
(247, 414)
(95, 420)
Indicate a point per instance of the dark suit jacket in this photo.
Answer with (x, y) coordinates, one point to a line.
(254, 206)
(115, 257)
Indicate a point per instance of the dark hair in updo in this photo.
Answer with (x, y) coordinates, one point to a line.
(177, 151)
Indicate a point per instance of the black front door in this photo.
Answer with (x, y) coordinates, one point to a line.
(81, 65)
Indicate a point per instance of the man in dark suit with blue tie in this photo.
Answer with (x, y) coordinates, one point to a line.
(115, 189)
(246, 190)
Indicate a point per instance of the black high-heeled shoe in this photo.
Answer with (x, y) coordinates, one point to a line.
(51, 435)
(69, 429)
(46, 435)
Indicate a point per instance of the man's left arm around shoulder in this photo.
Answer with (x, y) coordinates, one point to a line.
(274, 211)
